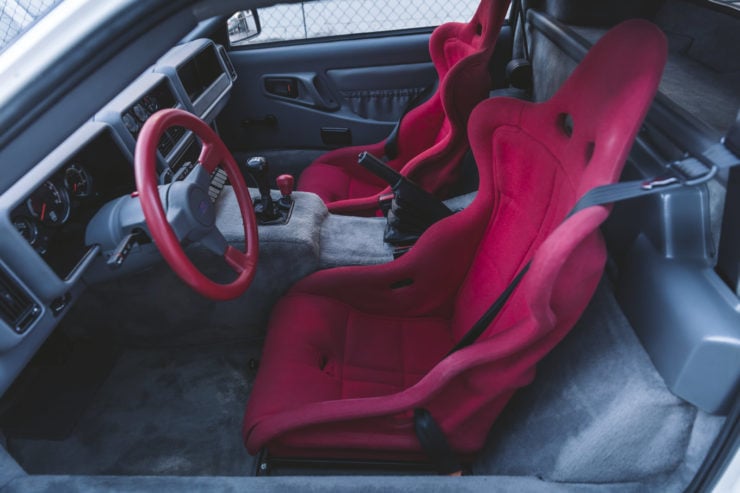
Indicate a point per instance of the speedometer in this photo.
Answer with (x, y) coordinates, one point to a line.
(49, 204)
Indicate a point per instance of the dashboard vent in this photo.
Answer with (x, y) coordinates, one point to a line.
(227, 62)
(17, 309)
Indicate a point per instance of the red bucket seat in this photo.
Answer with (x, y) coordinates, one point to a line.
(350, 352)
(432, 139)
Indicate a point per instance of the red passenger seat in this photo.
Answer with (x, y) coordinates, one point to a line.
(432, 139)
(352, 351)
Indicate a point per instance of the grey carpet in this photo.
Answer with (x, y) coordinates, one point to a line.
(598, 412)
(161, 412)
(357, 484)
(348, 240)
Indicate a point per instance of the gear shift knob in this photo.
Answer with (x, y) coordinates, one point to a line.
(258, 169)
(285, 184)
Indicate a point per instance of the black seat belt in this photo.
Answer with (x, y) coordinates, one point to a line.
(687, 173)
(391, 143)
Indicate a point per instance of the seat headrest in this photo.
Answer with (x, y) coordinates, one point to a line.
(600, 107)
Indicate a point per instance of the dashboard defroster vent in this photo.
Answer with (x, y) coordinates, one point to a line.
(227, 62)
(17, 308)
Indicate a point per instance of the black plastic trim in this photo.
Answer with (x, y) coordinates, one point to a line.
(717, 7)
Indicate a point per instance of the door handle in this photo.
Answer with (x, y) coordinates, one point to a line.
(304, 88)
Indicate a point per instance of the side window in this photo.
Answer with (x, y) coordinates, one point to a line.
(324, 18)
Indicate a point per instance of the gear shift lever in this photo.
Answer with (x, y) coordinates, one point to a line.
(258, 169)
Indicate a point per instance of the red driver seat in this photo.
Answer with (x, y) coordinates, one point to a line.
(432, 139)
(350, 352)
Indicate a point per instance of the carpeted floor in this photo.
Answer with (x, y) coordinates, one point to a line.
(171, 411)
(597, 413)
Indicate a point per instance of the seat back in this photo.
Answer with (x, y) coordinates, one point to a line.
(535, 162)
(432, 138)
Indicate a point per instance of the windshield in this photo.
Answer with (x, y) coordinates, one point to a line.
(18, 15)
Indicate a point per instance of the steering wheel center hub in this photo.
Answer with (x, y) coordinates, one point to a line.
(201, 207)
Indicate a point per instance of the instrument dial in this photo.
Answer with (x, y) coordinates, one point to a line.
(27, 228)
(49, 204)
(130, 123)
(78, 181)
(140, 113)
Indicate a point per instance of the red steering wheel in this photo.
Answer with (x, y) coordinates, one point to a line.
(189, 200)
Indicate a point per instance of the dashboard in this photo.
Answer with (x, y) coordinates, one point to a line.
(44, 258)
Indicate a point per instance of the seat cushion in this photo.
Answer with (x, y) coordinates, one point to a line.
(334, 183)
(323, 349)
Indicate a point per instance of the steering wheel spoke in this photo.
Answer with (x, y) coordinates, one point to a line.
(210, 157)
(215, 242)
(190, 206)
(236, 259)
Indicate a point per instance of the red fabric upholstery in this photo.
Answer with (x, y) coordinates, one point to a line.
(432, 138)
(351, 351)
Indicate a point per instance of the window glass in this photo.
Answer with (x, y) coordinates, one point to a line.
(323, 18)
(18, 15)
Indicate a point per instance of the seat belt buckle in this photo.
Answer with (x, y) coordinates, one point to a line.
(659, 181)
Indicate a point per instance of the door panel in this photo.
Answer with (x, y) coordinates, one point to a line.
(359, 85)
(381, 93)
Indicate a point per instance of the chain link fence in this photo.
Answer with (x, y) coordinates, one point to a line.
(341, 17)
(18, 15)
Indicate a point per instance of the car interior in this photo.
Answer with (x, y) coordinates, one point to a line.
(499, 253)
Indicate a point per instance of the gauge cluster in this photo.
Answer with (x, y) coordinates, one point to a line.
(159, 97)
(53, 218)
(51, 206)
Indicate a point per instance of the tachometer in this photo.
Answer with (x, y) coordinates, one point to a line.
(78, 181)
(49, 204)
